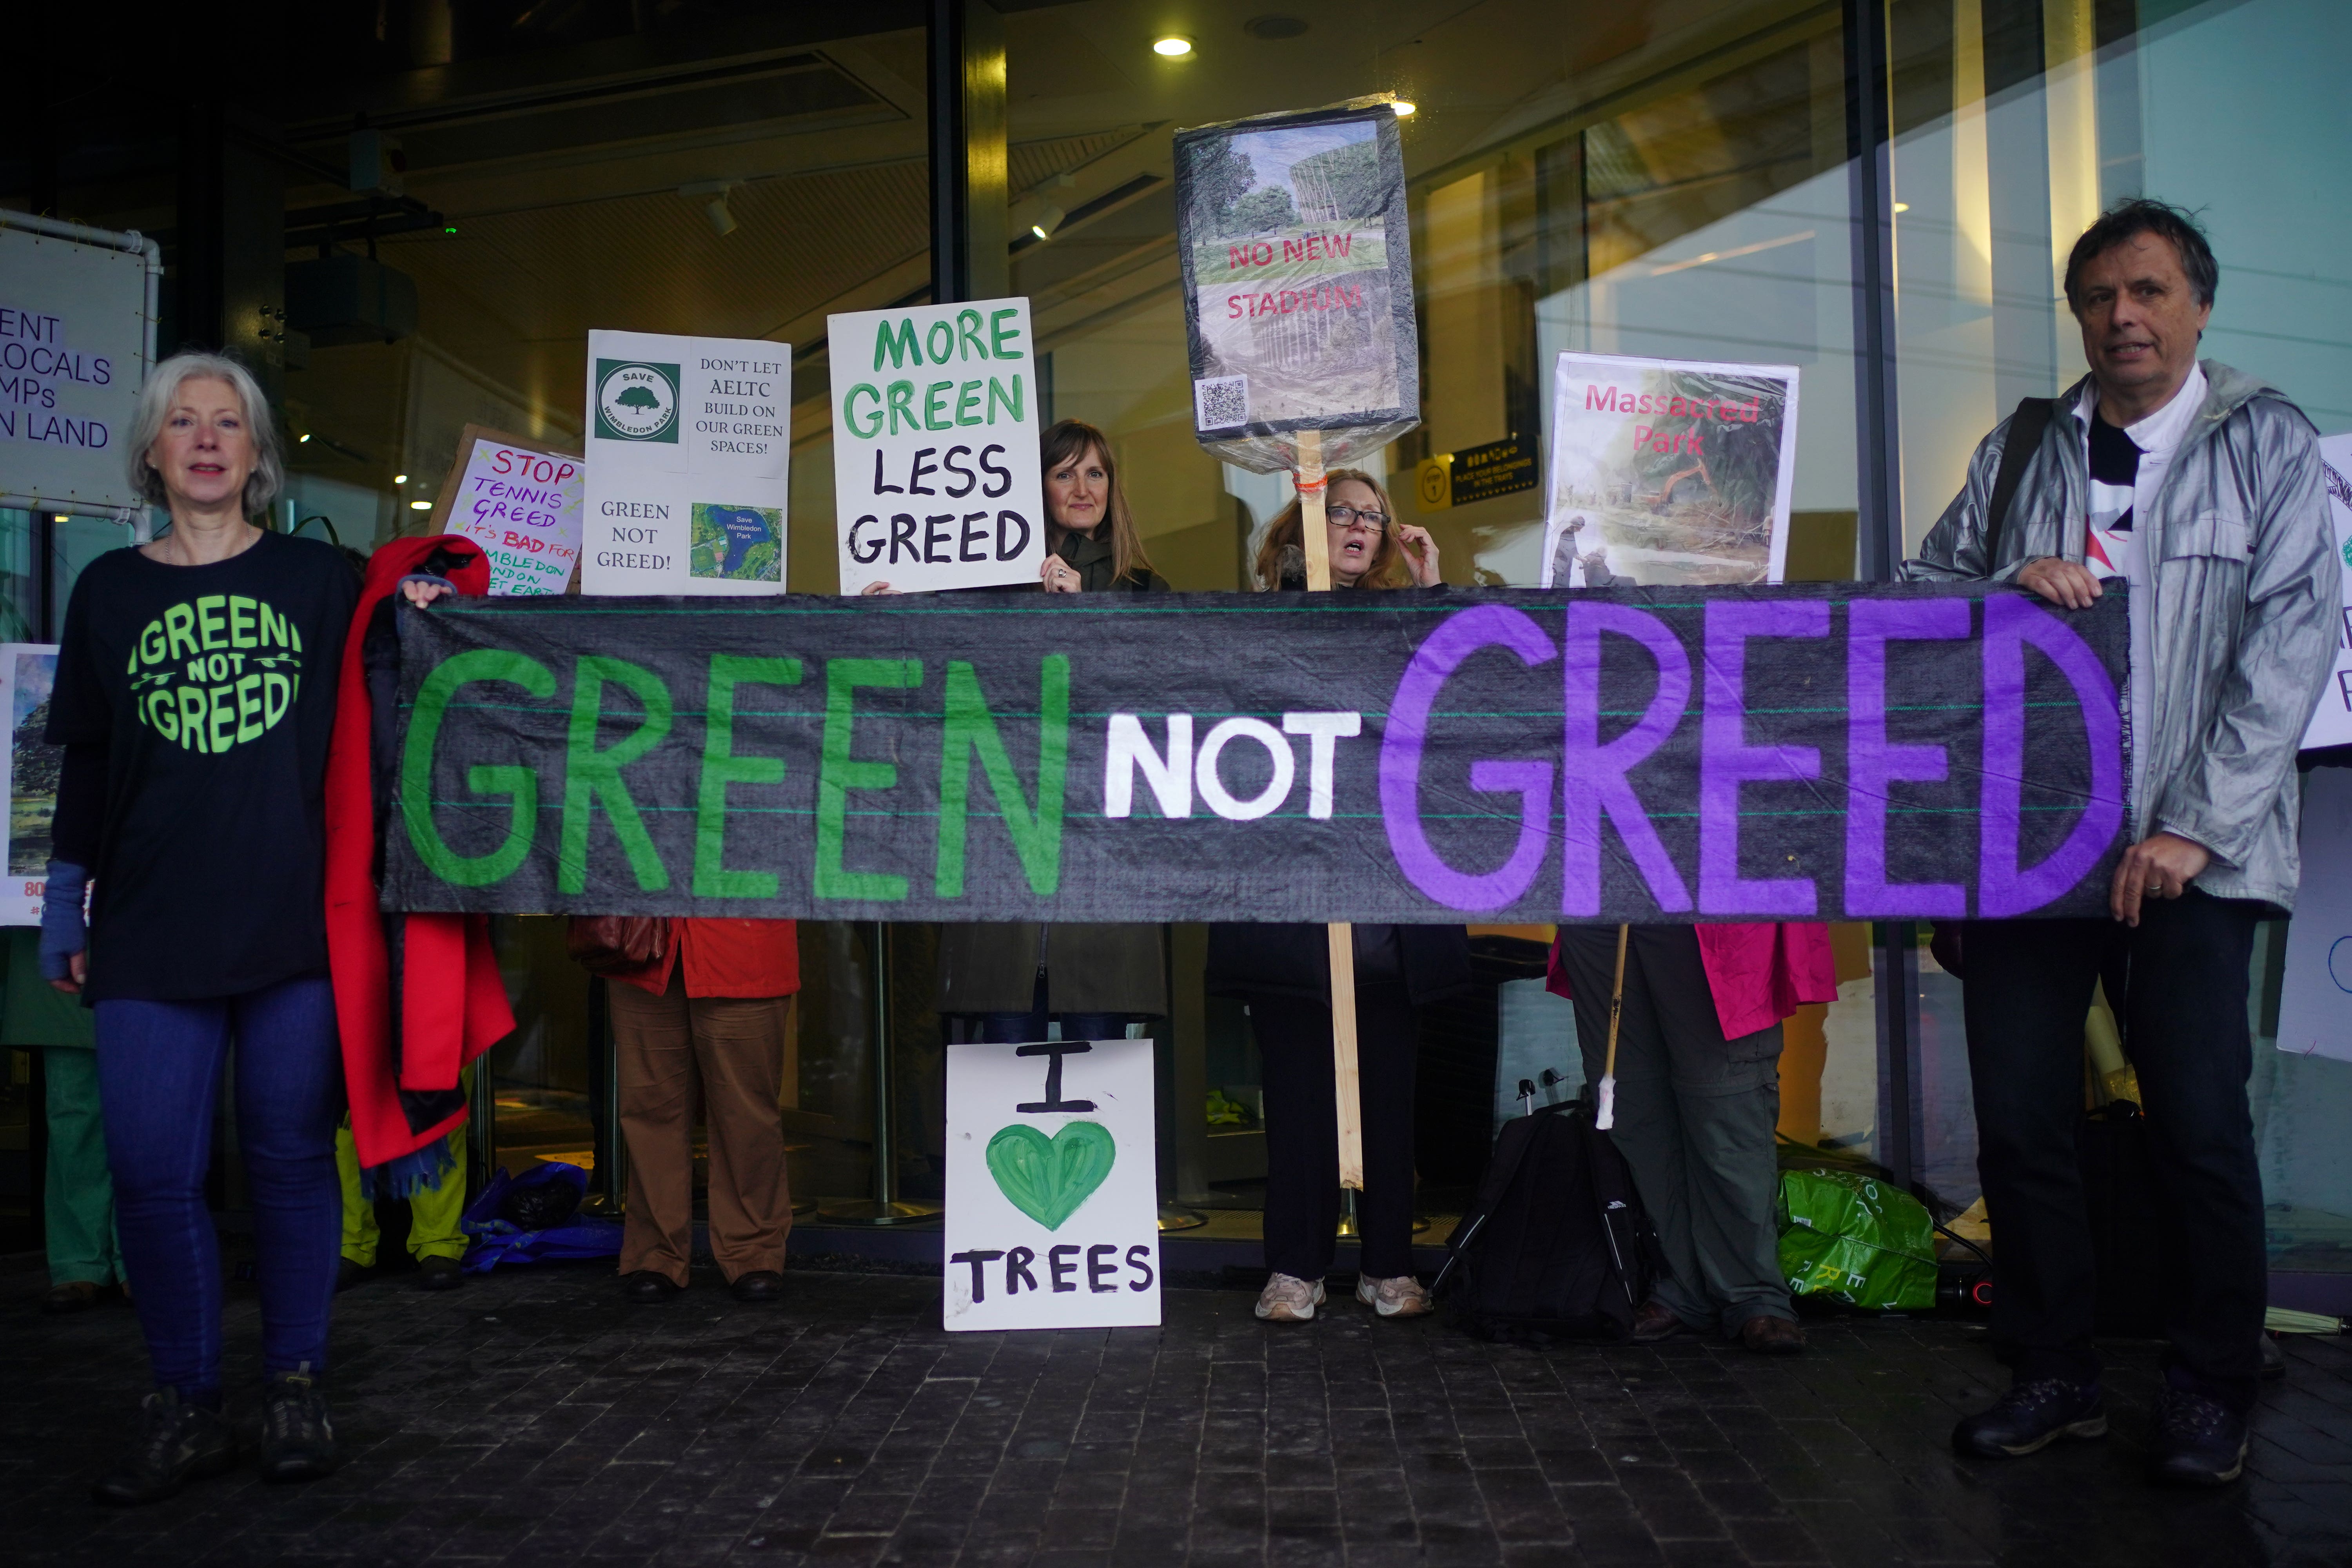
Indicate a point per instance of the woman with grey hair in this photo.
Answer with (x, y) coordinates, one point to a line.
(195, 691)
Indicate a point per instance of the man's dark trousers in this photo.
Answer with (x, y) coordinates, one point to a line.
(2028, 989)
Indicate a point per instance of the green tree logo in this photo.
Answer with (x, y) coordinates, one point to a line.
(636, 400)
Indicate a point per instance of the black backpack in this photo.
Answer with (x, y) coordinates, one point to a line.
(1557, 1246)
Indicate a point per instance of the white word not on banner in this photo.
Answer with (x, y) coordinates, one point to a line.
(935, 425)
(522, 505)
(1053, 1217)
(689, 446)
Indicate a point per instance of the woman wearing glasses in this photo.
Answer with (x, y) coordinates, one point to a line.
(1284, 974)
(1365, 551)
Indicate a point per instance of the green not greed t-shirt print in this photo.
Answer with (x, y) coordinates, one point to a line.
(213, 672)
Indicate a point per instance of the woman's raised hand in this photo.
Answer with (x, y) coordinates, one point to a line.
(1419, 555)
(1058, 576)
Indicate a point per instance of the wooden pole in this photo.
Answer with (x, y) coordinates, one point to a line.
(1605, 1114)
(1346, 1079)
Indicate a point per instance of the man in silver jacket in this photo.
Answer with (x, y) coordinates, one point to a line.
(2198, 489)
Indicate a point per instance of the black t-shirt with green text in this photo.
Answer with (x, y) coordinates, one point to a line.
(212, 690)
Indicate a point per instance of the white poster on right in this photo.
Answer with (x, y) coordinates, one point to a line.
(2316, 996)
(2331, 722)
(1666, 473)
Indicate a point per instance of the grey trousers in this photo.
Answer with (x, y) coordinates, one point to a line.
(1696, 1113)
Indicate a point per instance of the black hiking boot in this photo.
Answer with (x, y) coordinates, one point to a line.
(297, 1441)
(2030, 1417)
(176, 1443)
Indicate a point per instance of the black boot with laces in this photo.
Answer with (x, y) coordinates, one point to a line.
(176, 1443)
(297, 1441)
(2199, 1442)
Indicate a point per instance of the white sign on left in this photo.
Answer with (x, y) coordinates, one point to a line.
(73, 351)
(28, 777)
(689, 446)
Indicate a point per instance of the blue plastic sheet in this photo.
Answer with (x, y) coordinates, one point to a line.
(497, 1241)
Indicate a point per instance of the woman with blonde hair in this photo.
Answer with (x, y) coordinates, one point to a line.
(1284, 974)
(195, 694)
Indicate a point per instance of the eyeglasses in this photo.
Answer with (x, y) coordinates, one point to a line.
(1346, 517)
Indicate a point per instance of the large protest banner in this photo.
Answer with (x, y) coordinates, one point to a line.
(934, 431)
(1818, 750)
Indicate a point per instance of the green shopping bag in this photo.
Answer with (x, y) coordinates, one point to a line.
(1850, 1238)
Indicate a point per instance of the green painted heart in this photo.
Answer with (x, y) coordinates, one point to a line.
(1048, 1178)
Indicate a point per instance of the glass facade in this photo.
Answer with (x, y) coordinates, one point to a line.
(1880, 194)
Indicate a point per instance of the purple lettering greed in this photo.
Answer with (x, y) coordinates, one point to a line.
(1727, 761)
(1594, 781)
(2003, 889)
(1873, 761)
(1434, 663)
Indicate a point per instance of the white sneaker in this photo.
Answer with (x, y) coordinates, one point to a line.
(1401, 1297)
(1288, 1298)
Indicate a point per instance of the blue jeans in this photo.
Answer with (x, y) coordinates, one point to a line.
(159, 1071)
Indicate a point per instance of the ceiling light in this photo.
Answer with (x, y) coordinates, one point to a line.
(1403, 106)
(400, 479)
(1903, 206)
(303, 439)
(420, 506)
(1047, 222)
(59, 517)
(1175, 46)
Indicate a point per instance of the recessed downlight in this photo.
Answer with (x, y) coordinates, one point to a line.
(1404, 107)
(1172, 46)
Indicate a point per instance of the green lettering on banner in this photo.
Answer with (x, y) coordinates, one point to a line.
(722, 767)
(519, 784)
(971, 726)
(934, 405)
(589, 773)
(900, 347)
(838, 772)
(968, 335)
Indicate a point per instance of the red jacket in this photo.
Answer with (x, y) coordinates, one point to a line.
(1759, 974)
(451, 1004)
(728, 958)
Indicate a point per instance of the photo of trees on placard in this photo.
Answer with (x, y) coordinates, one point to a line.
(1665, 474)
(33, 763)
(1288, 232)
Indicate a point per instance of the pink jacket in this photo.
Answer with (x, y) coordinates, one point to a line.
(1759, 974)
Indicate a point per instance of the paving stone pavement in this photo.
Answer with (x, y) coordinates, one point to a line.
(533, 1418)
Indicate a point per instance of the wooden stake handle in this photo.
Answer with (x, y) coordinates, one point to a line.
(1616, 1002)
(1346, 1079)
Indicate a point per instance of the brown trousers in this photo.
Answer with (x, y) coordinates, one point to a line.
(734, 1046)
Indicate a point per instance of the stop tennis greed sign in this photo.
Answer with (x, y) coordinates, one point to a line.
(1052, 1215)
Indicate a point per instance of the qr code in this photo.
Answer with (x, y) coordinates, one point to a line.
(1221, 403)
